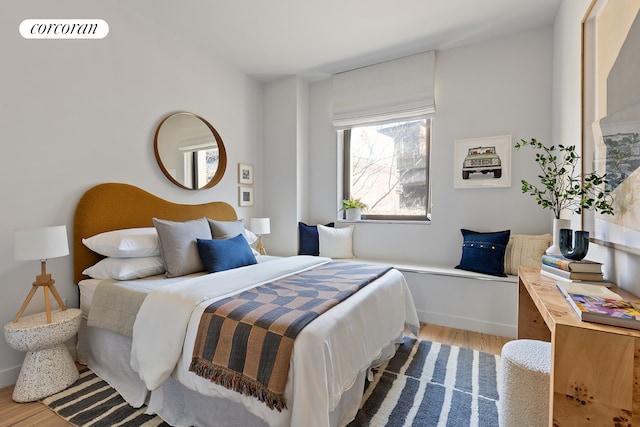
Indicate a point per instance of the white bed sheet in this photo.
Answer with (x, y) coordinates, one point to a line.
(107, 355)
(323, 373)
(328, 354)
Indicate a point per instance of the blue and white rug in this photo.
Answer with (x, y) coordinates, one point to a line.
(90, 401)
(431, 384)
(425, 384)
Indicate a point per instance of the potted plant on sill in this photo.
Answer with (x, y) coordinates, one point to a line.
(562, 188)
(353, 209)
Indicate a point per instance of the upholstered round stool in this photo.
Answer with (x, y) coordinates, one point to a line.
(48, 367)
(524, 385)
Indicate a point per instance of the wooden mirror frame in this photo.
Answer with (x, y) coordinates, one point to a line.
(222, 153)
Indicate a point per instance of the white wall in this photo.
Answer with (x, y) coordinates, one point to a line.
(76, 113)
(283, 102)
(498, 87)
(620, 267)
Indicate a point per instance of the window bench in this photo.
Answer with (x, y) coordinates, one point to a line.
(461, 299)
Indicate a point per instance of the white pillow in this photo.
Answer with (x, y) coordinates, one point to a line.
(250, 236)
(335, 242)
(125, 243)
(126, 268)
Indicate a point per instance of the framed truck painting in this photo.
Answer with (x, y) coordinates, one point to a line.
(482, 162)
(611, 117)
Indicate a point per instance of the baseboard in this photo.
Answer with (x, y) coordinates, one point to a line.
(475, 325)
(8, 377)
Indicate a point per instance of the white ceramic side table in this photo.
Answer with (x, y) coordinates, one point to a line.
(48, 367)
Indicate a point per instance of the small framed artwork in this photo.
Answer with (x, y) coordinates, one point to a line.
(482, 162)
(245, 196)
(245, 173)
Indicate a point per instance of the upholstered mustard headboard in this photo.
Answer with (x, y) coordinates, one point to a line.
(114, 206)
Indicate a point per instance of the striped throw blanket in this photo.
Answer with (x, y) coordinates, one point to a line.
(244, 342)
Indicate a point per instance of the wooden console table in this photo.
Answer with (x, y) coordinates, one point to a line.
(595, 369)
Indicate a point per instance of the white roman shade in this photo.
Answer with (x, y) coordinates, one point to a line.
(390, 91)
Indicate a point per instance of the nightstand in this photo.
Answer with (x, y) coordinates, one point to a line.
(48, 367)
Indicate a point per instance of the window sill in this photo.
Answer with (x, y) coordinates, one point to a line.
(383, 221)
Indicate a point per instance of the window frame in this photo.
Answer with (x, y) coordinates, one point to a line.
(345, 136)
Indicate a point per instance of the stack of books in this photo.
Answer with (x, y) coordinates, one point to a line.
(598, 304)
(560, 268)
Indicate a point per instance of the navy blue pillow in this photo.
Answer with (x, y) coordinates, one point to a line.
(308, 239)
(225, 254)
(484, 252)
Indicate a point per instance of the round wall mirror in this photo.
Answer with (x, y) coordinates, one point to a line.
(190, 151)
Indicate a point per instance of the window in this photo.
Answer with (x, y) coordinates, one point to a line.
(386, 166)
(199, 166)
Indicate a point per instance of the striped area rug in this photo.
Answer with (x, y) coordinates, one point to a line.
(431, 384)
(90, 401)
(425, 384)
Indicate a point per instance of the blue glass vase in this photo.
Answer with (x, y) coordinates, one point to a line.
(571, 247)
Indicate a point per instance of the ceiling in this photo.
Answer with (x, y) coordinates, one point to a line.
(268, 39)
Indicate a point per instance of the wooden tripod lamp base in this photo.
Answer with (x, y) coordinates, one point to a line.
(260, 226)
(260, 246)
(45, 281)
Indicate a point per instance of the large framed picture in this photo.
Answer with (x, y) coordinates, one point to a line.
(611, 117)
(482, 162)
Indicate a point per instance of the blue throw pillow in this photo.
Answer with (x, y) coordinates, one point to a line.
(308, 241)
(225, 254)
(484, 252)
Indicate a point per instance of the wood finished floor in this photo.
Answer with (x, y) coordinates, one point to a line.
(36, 414)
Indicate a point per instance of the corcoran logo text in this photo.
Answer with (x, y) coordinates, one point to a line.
(64, 29)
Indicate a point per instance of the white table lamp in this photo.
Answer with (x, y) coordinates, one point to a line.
(260, 226)
(43, 244)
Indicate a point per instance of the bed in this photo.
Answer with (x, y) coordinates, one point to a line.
(151, 365)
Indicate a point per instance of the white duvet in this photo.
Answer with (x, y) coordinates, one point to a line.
(328, 354)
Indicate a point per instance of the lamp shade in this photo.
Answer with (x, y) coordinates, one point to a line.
(41, 243)
(260, 226)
